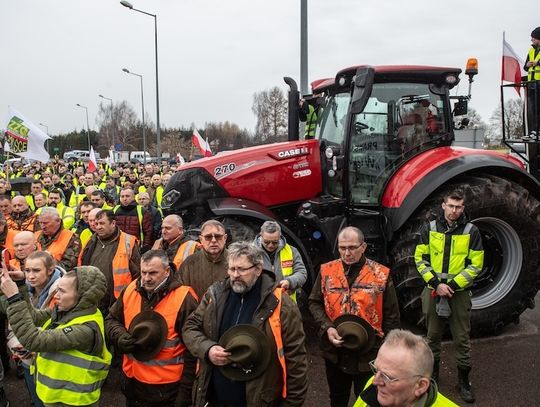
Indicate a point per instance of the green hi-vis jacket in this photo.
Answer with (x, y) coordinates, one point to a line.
(450, 255)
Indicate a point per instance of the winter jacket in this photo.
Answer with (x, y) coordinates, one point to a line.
(200, 272)
(85, 338)
(115, 329)
(299, 276)
(128, 221)
(350, 361)
(201, 332)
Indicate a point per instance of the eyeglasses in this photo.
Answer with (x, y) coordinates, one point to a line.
(240, 270)
(210, 236)
(455, 207)
(270, 242)
(385, 378)
(349, 248)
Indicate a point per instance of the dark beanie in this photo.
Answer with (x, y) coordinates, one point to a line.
(536, 33)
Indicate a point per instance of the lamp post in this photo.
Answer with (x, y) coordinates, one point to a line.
(158, 133)
(142, 104)
(87, 125)
(47, 131)
(112, 128)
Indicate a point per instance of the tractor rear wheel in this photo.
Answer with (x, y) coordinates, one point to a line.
(508, 218)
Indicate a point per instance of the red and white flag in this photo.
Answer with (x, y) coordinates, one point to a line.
(201, 144)
(92, 164)
(512, 64)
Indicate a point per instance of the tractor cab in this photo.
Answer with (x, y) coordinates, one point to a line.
(370, 120)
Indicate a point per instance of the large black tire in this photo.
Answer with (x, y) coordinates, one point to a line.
(508, 218)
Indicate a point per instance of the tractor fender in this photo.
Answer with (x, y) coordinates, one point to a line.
(417, 179)
(249, 210)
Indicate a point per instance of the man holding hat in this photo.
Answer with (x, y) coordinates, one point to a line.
(145, 325)
(248, 337)
(354, 302)
(532, 66)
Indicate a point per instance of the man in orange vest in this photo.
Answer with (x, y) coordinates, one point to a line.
(250, 295)
(6, 240)
(24, 243)
(174, 242)
(166, 375)
(22, 218)
(353, 285)
(115, 253)
(62, 244)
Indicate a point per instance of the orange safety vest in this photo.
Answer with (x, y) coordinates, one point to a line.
(275, 326)
(58, 247)
(120, 265)
(8, 244)
(14, 264)
(364, 298)
(168, 365)
(186, 249)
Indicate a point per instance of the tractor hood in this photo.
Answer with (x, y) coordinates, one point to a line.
(270, 175)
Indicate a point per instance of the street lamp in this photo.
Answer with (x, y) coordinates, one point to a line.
(47, 130)
(112, 128)
(87, 125)
(142, 104)
(158, 133)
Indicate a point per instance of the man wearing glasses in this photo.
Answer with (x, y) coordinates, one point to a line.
(352, 285)
(449, 256)
(280, 257)
(402, 374)
(249, 296)
(206, 266)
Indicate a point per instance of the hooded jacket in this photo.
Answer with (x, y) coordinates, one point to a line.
(299, 276)
(201, 332)
(91, 286)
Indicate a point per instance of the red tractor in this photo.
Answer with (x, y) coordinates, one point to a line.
(381, 160)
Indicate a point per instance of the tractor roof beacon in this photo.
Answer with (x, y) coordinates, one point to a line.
(382, 158)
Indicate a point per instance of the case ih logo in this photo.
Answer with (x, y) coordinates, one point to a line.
(293, 152)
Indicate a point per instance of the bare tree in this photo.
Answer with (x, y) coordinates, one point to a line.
(120, 123)
(513, 122)
(270, 107)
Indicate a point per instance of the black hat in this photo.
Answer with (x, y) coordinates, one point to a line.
(357, 334)
(536, 33)
(149, 329)
(250, 352)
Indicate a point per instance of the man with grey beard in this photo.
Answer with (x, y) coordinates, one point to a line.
(250, 296)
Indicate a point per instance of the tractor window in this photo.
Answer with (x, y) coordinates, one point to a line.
(399, 120)
(332, 120)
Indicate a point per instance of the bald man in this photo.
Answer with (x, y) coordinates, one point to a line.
(92, 219)
(174, 242)
(22, 218)
(24, 243)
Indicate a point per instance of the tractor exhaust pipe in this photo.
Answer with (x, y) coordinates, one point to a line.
(293, 105)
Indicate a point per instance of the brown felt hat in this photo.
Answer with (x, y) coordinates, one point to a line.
(149, 329)
(357, 334)
(250, 352)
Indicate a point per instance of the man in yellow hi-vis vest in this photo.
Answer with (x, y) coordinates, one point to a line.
(532, 66)
(281, 258)
(449, 256)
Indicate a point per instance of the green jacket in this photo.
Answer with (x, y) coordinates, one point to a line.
(432, 398)
(25, 320)
(449, 254)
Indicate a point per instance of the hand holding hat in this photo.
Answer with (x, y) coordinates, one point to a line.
(126, 343)
(218, 356)
(149, 331)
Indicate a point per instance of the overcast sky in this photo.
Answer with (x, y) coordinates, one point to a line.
(214, 54)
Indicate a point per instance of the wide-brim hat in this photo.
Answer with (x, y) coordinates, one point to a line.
(358, 335)
(250, 352)
(149, 329)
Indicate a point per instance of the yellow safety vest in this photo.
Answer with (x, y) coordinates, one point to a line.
(534, 71)
(286, 263)
(72, 377)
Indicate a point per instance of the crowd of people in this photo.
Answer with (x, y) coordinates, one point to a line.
(95, 277)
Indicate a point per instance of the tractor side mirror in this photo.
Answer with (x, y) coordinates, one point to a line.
(460, 107)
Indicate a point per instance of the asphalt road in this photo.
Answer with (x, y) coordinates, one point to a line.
(505, 371)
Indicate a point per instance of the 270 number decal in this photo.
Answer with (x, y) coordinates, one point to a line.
(224, 169)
